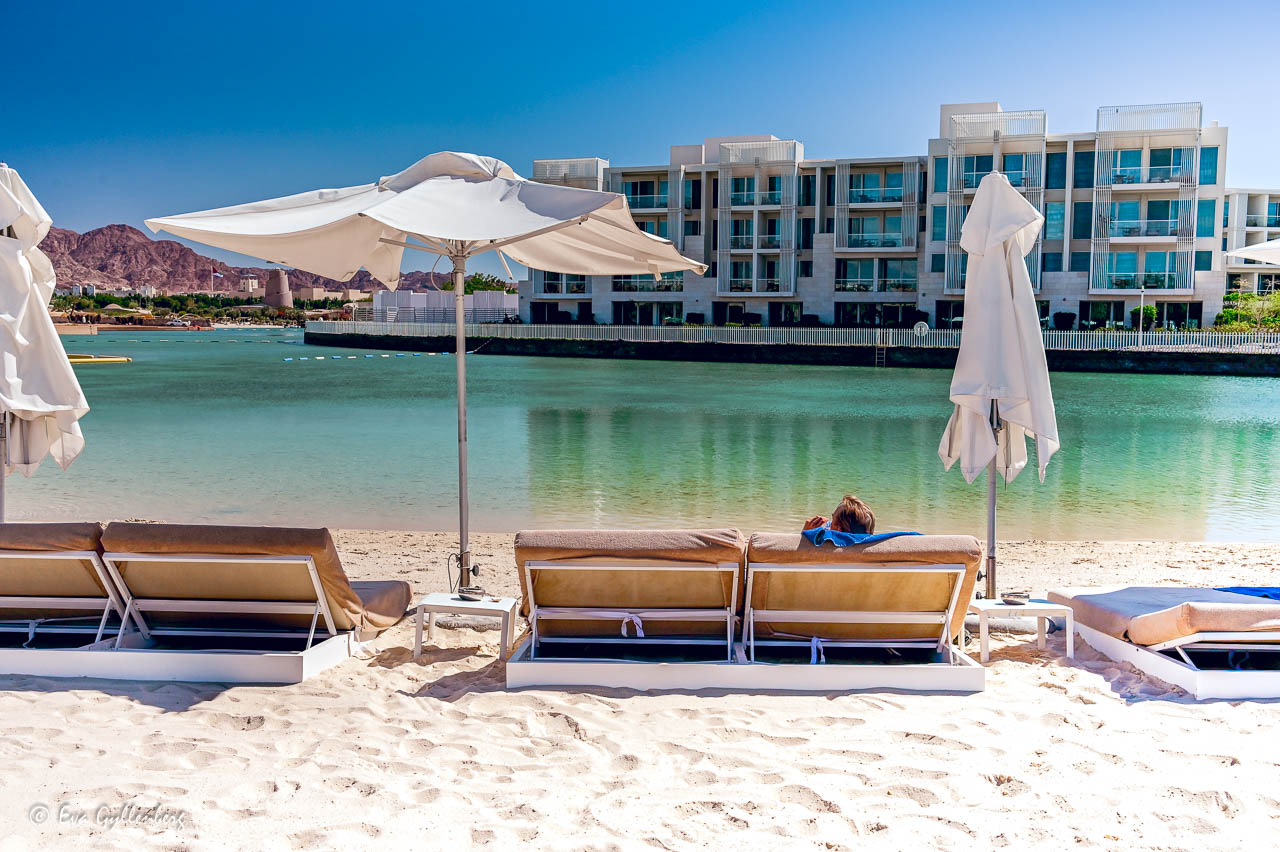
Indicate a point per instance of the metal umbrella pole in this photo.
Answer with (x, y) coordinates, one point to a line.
(4, 458)
(466, 591)
(991, 507)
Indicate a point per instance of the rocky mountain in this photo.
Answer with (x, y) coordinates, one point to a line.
(120, 256)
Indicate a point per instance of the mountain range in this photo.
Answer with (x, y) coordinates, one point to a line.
(122, 257)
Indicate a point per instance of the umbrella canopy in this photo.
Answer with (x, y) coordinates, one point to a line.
(39, 394)
(454, 205)
(1262, 252)
(1001, 360)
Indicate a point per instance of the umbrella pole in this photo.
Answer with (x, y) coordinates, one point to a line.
(991, 530)
(4, 458)
(465, 590)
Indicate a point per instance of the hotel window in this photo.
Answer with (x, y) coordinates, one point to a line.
(1209, 166)
(1055, 170)
(1079, 261)
(1166, 165)
(692, 227)
(1082, 172)
(976, 168)
(1206, 217)
(742, 191)
(898, 274)
(855, 275)
(893, 186)
(939, 174)
(808, 190)
(1055, 214)
(693, 194)
(1204, 261)
(1226, 211)
(1015, 169)
(712, 271)
(828, 225)
(804, 232)
(1051, 261)
(937, 263)
(829, 188)
(715, 192)
(1082, 220)
(804, 269)
(866, 188)
(1126, 166)
(939, 222)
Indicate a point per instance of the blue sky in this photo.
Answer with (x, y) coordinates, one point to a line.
(117, 112)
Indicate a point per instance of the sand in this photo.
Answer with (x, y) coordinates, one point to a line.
(434, 752)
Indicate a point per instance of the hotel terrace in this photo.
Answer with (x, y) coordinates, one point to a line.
(1134, 209)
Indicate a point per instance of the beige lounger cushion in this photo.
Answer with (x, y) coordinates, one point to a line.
(635, 589)
(880, 592)
(373, 606)
(1149, 615)
(49, 577)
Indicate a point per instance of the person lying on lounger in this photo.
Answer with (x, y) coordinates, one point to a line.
(851, 516)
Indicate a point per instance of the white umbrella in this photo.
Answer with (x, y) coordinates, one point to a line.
(40, 398)
(456, 206)
(1262, 252)
(1001, 383)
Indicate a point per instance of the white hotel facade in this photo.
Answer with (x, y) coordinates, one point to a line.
(1136, 204)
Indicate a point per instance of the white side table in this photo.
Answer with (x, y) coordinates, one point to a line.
(451, 604)
(1042, 610)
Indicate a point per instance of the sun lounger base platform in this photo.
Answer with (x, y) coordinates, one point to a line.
(1183, 672)
(957, 673)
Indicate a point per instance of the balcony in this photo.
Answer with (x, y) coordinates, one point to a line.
(875, 241)
(897, 285)
(740, 285)
(876, 195)
(773, 196)
(1143, 228)
(1141, 280)
(646, 283)
(972, 179)
(1135, 176)
(770, 241)
(570, 288)
(741, 242)
(647, 202)
(768, 285)
(855, 285)
(1261, 221)
(742, 199)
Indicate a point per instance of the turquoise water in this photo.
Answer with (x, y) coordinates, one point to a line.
(218, 427)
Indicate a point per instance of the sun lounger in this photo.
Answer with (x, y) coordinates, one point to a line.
(630, 588)
(1213, 644)
(54, 587)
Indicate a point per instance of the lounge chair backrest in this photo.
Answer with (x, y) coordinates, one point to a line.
(208, 562)
(52, 571)
(869, 578)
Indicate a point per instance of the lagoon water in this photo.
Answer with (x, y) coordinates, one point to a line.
(217, 427)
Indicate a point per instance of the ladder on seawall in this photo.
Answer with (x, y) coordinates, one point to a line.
(882, 354)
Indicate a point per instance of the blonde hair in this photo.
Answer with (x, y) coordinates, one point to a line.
(853, 516)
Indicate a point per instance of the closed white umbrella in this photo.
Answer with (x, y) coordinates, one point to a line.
(1001, 382)
(456, 206)
(40, 397)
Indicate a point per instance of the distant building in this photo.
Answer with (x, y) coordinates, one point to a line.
(248, 283)
(277, 293)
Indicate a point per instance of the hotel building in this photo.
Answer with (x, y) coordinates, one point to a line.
(1137, 205)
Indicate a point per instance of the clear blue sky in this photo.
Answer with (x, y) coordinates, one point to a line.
(117, 112)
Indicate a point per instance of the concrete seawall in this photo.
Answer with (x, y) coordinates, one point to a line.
(1106, 361)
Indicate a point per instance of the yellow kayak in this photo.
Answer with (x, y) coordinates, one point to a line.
(98, 359)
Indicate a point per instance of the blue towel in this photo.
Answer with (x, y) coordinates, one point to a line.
(820, 535)
(1254, 591)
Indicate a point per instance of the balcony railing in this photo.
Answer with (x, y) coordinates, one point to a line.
(972, 179)
(740, 285)
(647, 202)
(875, 240)
(897, 285)
(741, 241)
(1143, 228)
(1255, 220)
(768, 285)
(876, 195)
(773, 196)
(742, 199)
(1018, 178)
(855, 285)
(1140, 280)
(1154, 174)
(646, 284)
(571, 288)
(770, 241)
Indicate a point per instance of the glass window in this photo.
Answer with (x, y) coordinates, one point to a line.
(1127, 166)
(1159, 210)
(1082, 170)
(829, 187)
(939, 222)
(1204, 261)
(1082, 220)
(804, 228)
(1156, 261)
(828, 225)
(1166, 165)
(939, 174)
(1055, 214)
(1079, 261)
(1015, 169)
(1051, 261)
(808, 189)
(804, 269)
(1055, 170)
(1209, 166)
(1226, 211)
(937, 263)
(692, 227)
(1206, 217)
(976, 168)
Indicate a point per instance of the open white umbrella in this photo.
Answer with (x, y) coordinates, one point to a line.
(1001, 382)
(1268, 252)
(456, 206)
(40, 397)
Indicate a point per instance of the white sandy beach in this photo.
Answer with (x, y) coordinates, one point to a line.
(434, 753)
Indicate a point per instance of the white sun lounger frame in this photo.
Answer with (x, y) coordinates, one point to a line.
(108, 603)
(600, 613)
(136, 607)
(941, 643)
(1184, 673)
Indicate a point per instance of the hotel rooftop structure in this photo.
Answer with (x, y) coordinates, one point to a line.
(1134, 208)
